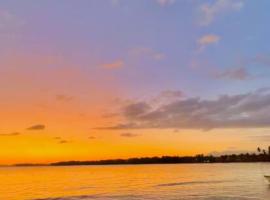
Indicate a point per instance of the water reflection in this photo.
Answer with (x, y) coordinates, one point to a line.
(135, 182)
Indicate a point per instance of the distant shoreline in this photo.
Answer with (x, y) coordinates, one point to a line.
(232, 158)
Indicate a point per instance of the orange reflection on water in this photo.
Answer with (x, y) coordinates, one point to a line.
(184, 181)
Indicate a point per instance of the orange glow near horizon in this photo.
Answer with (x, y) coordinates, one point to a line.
(71, 105)
(47, 147)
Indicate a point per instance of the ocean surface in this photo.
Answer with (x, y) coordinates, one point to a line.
(136, 182)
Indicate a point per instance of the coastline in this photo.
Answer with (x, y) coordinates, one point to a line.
(198, 159)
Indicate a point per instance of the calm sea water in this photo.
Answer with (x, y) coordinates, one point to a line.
(136, 182)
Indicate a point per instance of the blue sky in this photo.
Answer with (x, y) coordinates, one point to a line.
(92, 32)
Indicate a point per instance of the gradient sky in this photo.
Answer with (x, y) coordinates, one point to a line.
(92, 79)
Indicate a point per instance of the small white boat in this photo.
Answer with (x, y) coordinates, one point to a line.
(267, 178)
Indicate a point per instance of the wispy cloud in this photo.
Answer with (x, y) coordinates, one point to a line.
(91, 137)
(171, 94)
(147, 52)
(208, 39)
(10, 134)
(62, 97)
(263, 59)
(250, 110)
(60, 140)
(63, 141)
(240, 73)
(168, 96)
(208, 12)
(36, 127)
(128, 135)
(259, 59)
(114, 65)
(159, 56)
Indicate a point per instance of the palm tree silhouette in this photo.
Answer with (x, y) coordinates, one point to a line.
(259, 149)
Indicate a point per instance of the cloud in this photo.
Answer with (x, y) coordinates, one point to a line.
(234, 74)
(263, 59)
(63, 141)
(249, 110)
(119, 126)
(62, 97)
(11, 134)
(91, 137)
(167, 96)
(208, 12)
(36, 127)
(114, 65)
(147, 52)
(242, 72)
(207, 40)
(129, 135)
(260, 59)
(165, 2)
(135, 109)
(159, 56)
(171, 94)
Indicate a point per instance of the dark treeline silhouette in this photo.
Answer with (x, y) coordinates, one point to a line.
(262, 156)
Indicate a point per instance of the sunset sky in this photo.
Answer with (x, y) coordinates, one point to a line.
(102, 79)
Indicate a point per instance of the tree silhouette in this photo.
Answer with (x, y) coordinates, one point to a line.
(259, 149)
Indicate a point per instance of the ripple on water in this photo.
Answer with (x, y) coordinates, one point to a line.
(190, 183)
